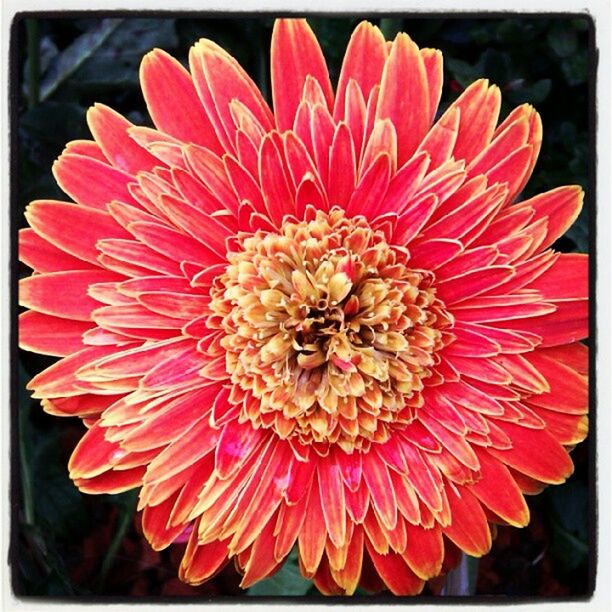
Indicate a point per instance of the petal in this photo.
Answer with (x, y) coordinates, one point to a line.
(432, 58)
(294, 55)
(569, 391)
(560, 206)
(468, 528)
(473, 283)
(497, 490)
(73, 229)
(173, 102)
(49, 335)
(363, 62)
(110, 129)
(331, 491)
(91, 182)
(425, 551)
(535, 453)
(42, 256)
(64, 294)
(392, 568)
(219, 80)
(342, 167)
(479, 108)
(404, 96)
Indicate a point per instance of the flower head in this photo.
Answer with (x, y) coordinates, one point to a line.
(332, 325)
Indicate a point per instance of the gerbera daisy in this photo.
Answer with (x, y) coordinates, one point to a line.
(329, 326)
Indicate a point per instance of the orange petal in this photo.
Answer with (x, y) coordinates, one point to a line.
(468, 528)
(311, 540)
(425, 551)
(294, 55)
(392, 568)
(497, 490)
(534, 453)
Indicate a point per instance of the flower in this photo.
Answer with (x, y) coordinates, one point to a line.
(332, 325)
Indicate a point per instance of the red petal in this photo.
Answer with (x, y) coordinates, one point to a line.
(472, 283)
(569, 390)
(560, 206)
(392, 568)
(404, 95)
(51, 335)
(110, 129)
(331, 491)
(202, 561)
(479, 108)
(154, 524)
(432, 58)
(468, 528)
(42, 256)
(342, 167)
(425, 551)
(497, 490)
(63, 294)
(219, 80)
(180, 114)
(363, 62)
(91, 182)
(369, 194)
(295, 54)
(311, 541)
(535, 453)
(73, 229)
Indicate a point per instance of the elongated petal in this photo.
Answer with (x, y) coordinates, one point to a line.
(404, 96)
(180, 114)
(295, 54)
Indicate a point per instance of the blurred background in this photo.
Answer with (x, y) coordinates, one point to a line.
(65, 543)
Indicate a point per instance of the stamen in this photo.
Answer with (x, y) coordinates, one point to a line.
(327, 325)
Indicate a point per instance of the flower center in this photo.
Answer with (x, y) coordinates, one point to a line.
(329, 329)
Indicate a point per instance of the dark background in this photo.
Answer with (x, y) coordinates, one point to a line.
(65, 543)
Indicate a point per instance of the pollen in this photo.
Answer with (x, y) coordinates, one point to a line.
(329, 328)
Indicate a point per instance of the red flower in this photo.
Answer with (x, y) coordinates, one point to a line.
(329, 325)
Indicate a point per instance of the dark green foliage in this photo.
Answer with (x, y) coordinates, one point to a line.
(80, 61)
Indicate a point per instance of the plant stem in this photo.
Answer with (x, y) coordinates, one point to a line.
(123, 522)
(26, 477)
(462, 580)
(33, 75)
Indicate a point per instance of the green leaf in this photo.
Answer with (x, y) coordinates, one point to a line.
(117, 60)
(533, 94)
(70, 59)
(287, 581)
(575, 68)
(562, 39)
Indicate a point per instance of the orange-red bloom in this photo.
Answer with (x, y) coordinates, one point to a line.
(329, 326)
